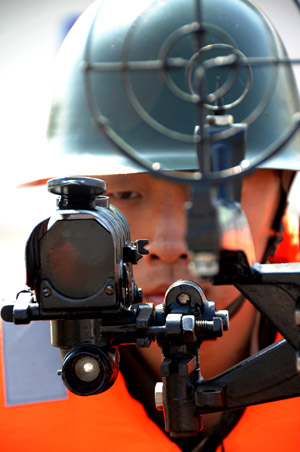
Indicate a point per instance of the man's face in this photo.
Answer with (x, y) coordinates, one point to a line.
(155, 210)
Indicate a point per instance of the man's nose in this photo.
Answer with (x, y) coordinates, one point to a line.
(167, 243)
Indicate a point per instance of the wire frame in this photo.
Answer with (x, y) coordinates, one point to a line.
(197, 94)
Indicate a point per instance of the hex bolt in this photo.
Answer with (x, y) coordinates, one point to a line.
(184, 298)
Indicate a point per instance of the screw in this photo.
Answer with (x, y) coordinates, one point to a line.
(184, 298)
(46, 291)
(109, 290)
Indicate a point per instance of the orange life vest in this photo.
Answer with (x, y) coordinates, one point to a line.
(114, 422)
(269, 427)
(109, 422)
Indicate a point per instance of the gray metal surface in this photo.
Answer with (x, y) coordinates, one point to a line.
(30, 364)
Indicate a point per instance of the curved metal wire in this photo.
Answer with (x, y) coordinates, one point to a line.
(164, 64)
(166, 47)
(225, 88)
(217, 177)
(193, 97)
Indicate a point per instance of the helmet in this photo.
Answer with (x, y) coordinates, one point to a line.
(138, 74)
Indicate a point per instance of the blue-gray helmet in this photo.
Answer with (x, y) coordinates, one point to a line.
(146, 72)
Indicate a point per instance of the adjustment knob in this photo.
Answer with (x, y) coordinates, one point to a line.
(73, 185)
(76, 192)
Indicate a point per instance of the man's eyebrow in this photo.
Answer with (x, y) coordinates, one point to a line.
(122, 179)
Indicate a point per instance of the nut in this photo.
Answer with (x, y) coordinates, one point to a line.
(188, 328)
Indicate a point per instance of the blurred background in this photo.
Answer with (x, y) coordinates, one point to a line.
(31, 32)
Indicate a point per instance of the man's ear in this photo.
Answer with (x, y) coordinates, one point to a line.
(288, 248)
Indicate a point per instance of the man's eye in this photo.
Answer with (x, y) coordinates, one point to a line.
(125, 195)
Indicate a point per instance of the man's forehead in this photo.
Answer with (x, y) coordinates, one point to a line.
(123, 178)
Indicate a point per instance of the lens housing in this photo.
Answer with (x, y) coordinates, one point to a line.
(88, 369)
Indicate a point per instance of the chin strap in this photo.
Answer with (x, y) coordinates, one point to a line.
(234, 307)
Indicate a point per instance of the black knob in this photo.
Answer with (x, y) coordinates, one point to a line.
(76, 192)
